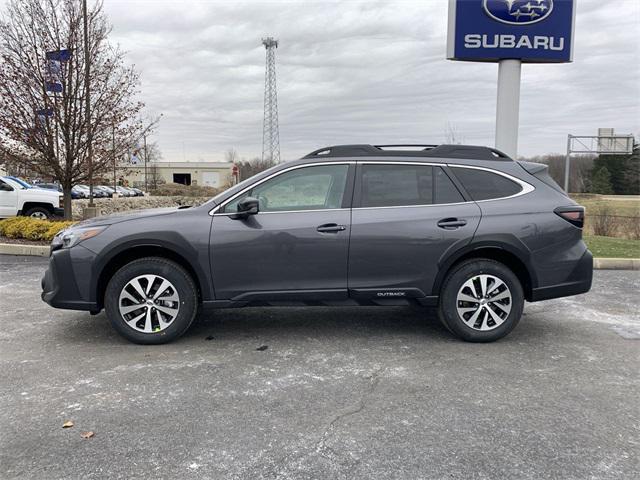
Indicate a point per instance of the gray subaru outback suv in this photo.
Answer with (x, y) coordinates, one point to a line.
(465, 229)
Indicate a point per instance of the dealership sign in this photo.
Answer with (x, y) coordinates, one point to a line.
(533, 31)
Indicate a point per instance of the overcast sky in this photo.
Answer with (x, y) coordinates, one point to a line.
(362, 72)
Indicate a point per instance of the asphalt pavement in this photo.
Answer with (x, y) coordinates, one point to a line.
(321, 393)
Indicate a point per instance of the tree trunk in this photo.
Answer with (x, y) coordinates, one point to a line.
(66, 192)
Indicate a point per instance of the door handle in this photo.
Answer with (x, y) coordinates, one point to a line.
(331, 228)
(451, 223)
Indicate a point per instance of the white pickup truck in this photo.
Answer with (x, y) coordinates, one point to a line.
(19, 199)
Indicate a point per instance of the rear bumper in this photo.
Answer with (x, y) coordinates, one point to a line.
(578, 281)
(59, 286)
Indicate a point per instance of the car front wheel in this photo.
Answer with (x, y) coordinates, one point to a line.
(152, 300)
(481, 300)
(38, 212)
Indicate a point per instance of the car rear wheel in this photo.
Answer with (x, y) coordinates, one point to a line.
(38, 212)
(152, 300)
(481, 301)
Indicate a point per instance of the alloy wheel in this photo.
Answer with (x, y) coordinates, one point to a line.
(39, 215)
(484, 302)
(149, 303)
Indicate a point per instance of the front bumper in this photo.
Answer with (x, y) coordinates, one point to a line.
(58, 212)
(66, 281)
(578, 281)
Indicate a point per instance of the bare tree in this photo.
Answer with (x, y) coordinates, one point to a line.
(231, 156)
(579, 175)
(248, 168)
(42, 114)
(154, 155)
(452, 135)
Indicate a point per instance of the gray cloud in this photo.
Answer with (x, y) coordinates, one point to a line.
(372, 72)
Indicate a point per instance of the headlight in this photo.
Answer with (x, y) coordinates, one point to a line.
(72, 237)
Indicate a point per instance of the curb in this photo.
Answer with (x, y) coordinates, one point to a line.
(598, 263)
(17, 249)
(616, 263)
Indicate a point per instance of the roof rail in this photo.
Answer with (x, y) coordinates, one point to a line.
(412, 150)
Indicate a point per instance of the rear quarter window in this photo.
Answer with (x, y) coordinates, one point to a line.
(484, 185)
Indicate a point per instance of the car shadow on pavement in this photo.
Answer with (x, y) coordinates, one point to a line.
(274, 322)
(264, 325)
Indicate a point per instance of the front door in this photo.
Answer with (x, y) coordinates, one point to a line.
(8, 200)
(405, 218)
(295, 247)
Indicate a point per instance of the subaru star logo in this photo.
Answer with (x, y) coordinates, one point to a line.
(518, 12)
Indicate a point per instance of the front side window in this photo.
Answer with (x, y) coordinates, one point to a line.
(309, 188)
(484, 185)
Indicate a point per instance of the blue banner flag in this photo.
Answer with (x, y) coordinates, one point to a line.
(54, 68)
(59, 55)
(53, 87)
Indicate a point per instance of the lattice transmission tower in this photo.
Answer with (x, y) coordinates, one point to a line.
(270, 134)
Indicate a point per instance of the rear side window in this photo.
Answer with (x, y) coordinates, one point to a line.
(484, 185)
(396, 185)
(406, 185)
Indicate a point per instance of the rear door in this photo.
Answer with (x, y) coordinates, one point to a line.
(406, 217)
(295, 247)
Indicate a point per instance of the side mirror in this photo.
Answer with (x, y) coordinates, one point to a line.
(247, 206)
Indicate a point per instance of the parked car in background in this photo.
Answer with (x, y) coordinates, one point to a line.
(137, 191)
(48, 186)
(97, 192)
(110, 190)
(78, 192)
(101, 192)
(124, 191)
(20, 198)
(465, 229)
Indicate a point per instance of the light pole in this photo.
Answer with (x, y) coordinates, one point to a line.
(113, 146)
(87, 71)
(144, 140)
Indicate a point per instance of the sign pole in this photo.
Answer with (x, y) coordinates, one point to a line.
(567, 161)
(508, 106)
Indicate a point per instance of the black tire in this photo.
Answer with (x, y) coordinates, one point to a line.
(167, 269)
(448, 311)
(39, 212)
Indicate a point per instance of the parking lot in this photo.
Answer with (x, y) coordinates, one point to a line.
(336, 393)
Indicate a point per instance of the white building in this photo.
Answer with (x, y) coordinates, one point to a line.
(209, 174)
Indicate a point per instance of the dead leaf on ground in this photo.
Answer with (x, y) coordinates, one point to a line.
(87, 434)
(67, 424)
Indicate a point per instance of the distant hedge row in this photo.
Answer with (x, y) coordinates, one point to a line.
(31, 228)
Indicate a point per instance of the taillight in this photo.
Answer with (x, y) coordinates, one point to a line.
(574, 215)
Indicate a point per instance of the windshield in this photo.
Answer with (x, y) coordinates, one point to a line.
(14, 183)
(21, 182)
